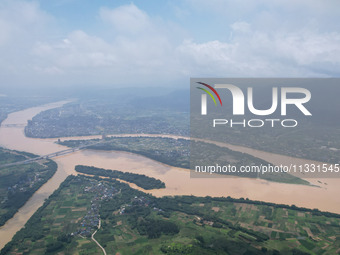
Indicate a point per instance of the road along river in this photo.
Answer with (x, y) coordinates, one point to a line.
(177, 180)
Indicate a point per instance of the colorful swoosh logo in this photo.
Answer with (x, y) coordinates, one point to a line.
(209, 93)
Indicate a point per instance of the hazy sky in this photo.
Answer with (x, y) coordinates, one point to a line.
(153, 42)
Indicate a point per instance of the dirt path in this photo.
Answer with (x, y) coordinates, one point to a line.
(92, 237)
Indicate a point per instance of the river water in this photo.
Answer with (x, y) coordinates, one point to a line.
(177, 180)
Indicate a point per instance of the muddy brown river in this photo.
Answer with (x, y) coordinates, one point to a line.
(177, 180)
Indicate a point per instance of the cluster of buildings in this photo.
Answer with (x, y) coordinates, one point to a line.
(101, 192)
(76, 119)
(69, 121)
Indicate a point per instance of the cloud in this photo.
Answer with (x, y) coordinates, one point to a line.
(21, 25)
(241, 26)
(126, 18)
(140, 52)
(252, 53)
(22, 19)
(133, 47)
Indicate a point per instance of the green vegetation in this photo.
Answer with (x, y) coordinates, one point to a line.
(224, 156)
(18, 183)
(133, 222)
(173, 152)
(140, 180)
(307, 142)
(176, 152)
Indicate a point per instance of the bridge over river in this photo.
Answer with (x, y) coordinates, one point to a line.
(13, 125)
(51, 155)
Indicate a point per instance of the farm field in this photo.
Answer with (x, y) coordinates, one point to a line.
(133, 222)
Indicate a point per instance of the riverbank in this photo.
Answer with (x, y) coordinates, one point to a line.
(177, 180)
